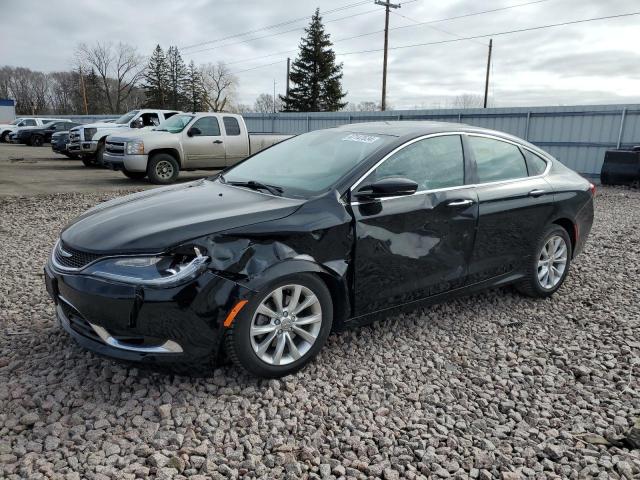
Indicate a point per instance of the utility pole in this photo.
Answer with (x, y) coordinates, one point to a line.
(288, 70)
(274, 95)
(387, 5)
(84, 93)
(486, 82)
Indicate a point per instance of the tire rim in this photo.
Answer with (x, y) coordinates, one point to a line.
(552, 262)
(164, 169)
(286, 324)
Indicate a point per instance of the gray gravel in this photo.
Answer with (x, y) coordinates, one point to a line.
(490, 386)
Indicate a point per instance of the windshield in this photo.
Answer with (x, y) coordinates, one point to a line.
(126, 118)
(175, 124)
(308, 164)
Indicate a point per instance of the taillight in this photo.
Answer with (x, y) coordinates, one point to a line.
(592, 187)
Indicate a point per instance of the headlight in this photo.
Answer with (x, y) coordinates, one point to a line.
(135, 147)
(89, 133)
(155, 270)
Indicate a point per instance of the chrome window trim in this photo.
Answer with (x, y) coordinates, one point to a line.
(459, 187)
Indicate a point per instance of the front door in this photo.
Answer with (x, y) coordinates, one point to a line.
(411, 247)
(514, 207)
(205, 147)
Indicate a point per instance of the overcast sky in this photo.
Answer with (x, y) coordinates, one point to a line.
(590, 63)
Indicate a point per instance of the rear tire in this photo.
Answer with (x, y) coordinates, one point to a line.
(293, 336)
(134, 175)
(4, 138)
(549, 264)
(162, 169)
(36, 141)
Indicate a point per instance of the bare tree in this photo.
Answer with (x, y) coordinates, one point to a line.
(264, 103)
(468, 100)
(220, 86)
(120, 68)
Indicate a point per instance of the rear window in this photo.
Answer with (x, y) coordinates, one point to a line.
(231, 126)
(497, 160)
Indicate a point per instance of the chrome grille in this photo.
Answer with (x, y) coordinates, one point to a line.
(114, 148)
(73, 259)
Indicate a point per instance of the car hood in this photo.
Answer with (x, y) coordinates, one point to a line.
(157, 219)
(105, 125)
(134, 134)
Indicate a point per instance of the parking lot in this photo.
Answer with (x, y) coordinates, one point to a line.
(490, 386)
(49, 172)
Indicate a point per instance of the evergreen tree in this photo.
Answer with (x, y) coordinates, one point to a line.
(178, 78)
(157, 80)
(315, 74)
(195, 92)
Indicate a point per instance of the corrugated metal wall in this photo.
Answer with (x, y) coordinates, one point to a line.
(578, 136)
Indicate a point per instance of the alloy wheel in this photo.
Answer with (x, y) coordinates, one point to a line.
(552, 262)
(164, 170)
(286, 324)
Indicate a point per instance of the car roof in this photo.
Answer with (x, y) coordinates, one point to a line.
(417, 128)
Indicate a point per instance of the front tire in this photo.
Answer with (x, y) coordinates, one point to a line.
(4, 138)
(282, 327)
(88, 162)
(162, 169)
(100, 154)
(549, 264)
(134, 175)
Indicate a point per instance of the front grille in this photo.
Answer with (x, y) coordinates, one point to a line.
(71, 258)
(78, 323)
(115, 148)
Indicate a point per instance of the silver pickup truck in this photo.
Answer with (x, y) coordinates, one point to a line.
(186, 141)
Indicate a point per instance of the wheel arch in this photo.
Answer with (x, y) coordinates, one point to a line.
(571, 229)
(170, 151)
(335, 283)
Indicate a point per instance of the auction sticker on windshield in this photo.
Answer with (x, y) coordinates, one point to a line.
(356, 137)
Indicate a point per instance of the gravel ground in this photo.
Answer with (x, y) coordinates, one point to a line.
(489, 386)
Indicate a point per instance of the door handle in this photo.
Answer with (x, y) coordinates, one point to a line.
(460, 203)
(536, 193)
(218, 142)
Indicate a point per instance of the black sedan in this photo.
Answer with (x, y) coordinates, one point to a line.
(36, 136)
(328, 229)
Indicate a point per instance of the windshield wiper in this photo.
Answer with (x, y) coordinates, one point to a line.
(160, 130)
(252, 184)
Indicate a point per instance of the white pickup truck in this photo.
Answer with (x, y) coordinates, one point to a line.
(88, 140)
(7, 129)
(187, 141)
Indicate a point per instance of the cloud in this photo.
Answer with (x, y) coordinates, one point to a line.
(589, 63)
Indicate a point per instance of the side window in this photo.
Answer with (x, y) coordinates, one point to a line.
(535, 164)
(61, 126)
(497, 160)
(208, 126)
(29, 122)
(231, 126)
(150, 119)
(432, 163)
(169, 115)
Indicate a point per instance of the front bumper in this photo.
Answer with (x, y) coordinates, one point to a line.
(131, 163)
(86, 147)
(182, 324)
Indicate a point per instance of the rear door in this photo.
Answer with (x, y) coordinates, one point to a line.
(204, 148)
(411, 247)
(514, 206)
(236, 139)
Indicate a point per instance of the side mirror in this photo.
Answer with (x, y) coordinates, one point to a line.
(137, 123)
(194, 131)
(387, 187)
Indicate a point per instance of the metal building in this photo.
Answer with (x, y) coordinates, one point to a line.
(7, 110)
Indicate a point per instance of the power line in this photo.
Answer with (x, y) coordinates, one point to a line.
(609, 17)
(417, 23)
(276, 25)
(297, 29)
(474, 37)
